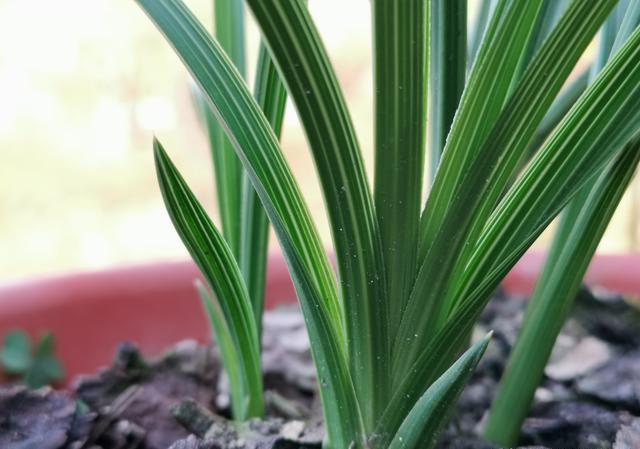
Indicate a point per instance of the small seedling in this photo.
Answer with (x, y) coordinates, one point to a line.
(35, 367)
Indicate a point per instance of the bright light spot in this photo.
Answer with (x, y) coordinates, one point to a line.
(155, 114)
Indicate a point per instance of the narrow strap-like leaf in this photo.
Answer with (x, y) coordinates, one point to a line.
(440, 243)
(270, 94)
(304, 66)
(483, 17)
(229, 176)
(435, 358)
(610, 33)
(547, 19)
(498, 57)
(495, 258)
(447, 71)
(257, 147)
(494, 71)
(489, 174)
(400, 33)
(421, 427)
(595, 131)
(581, 227)
(231, 359)
(608, 36)
(558, 109)
(229, 31)
(628, 23)
(517, 123)
(553, 297)
(214, 258)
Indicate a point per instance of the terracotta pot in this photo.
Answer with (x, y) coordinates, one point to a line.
(156, 305)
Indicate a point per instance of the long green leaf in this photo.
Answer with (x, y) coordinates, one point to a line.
(447, 74)
(487, 177)
(508, 33)
(627, 24)
(505, 40)
(547, 19)
(580, 147)
(480, 23)
(214, 258)
(520, 118)
(553, 298)
(580, 230)
(270, 94)
(304, 66)
(608, 35)
(592, 135)
(257, 147)
(435, 358)
(420, 428)
(231, 359)
(229, 31)
(400, 70)
(558, 109)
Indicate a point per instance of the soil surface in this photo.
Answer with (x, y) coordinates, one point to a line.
(589, 398)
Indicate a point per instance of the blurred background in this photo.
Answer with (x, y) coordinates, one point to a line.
(84, 85)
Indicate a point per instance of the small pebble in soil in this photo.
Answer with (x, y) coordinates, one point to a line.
(582, 357)
(40, 419)
(628, 437)
(617, 382)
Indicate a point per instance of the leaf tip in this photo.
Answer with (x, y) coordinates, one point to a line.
(158, 150)
(162, 160)
(489, 335)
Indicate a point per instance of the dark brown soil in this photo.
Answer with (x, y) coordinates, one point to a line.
(590, 397)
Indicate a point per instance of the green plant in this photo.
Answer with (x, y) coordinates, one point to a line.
(35, 368)
(244, 222)
(581, 228)
(411, 281)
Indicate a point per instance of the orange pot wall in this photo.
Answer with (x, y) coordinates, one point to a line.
(90, 313)
(156, 305)
(618, 273)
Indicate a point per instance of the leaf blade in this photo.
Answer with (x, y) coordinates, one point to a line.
(581, 228)
(229, 176)
(215, 260)
(594, 132)
(304, 66)
(447, 72)
(423, 423)
(230, 358)
(518, 121)
(554, 295)
(257, 148)
(270, 94)
(400, 70)
(586, 131)
(440, 242)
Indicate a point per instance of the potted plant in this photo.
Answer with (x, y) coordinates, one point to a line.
(391, 334)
